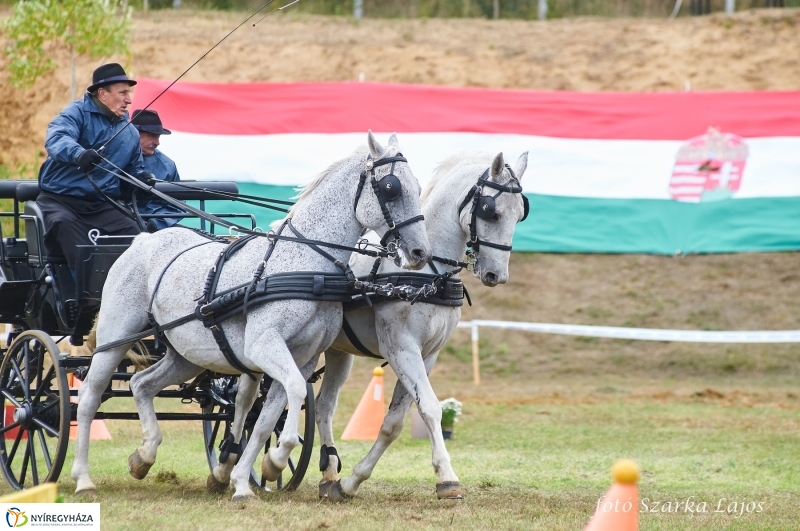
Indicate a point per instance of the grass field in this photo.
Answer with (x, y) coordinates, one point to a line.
(540, 464)
(537, 438)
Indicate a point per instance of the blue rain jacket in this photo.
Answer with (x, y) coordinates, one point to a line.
(164, 169)
(81, 125)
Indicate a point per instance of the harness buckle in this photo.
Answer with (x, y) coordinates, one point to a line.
(368, 164)
(391, 248)
(392, 225)
(387, 290)
(471, 260)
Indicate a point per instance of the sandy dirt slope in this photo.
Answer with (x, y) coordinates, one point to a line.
(749, 51)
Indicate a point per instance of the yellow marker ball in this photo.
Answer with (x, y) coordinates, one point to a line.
(377, 371)
(625, 471)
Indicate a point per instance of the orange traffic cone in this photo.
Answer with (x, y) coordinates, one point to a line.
(618, 510)
(98, 430)
(365, 424)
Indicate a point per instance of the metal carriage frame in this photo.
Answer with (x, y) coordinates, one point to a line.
(41, 300)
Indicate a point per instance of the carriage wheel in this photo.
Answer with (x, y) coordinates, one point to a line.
(215, 431)
(34, 426)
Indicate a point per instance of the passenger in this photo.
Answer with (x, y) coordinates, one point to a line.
(162, 167)
(71, 204)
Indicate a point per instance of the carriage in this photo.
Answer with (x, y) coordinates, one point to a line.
(42, 304)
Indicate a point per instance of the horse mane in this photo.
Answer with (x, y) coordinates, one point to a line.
(451, 162)
(304, 191)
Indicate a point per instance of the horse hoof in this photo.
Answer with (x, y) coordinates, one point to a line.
(86, 491)
(336, 494)
(269, 470)
(243, 498)
(137, 467)
(213, 486)
(324, 487)
(449, 490)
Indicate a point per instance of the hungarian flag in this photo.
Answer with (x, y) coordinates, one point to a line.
(666, 173)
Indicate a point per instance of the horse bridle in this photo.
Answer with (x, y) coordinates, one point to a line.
(386, 190)
(484, 207)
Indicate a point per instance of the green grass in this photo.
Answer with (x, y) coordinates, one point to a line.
(540, 463)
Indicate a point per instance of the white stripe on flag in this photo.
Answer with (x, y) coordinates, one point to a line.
(610, 169)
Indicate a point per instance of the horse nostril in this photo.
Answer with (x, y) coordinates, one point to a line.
(419, 255)
(490, 277)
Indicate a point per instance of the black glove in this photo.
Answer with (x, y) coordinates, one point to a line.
(88, 160)
(148, 178)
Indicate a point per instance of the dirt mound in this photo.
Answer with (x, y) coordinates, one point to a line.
(747, 51)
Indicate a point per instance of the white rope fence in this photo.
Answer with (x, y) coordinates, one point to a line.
(616, 332)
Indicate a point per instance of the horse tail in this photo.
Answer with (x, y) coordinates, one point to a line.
(140, 360)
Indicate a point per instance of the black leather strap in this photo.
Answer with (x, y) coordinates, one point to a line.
(353, 338)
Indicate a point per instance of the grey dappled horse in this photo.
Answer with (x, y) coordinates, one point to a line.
(410, 337)
(274, 338)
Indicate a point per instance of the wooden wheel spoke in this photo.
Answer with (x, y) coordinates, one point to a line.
(26, 351)
(48, 461)
(22, 382)
(43, 380)
(11, 398)
(14, 446)
(49, 429)
(24, 463)
(32, 453)
(47, 407)
(9, 427)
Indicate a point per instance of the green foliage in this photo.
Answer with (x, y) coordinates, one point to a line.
(451, 410)
(91, 28)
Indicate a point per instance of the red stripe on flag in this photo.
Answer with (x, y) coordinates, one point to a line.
(272, 108)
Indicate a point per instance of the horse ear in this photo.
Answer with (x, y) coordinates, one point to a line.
(393, 143)
(498, 164)
(522, 165)
(375, 149)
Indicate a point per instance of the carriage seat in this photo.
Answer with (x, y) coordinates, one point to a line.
(38, 254)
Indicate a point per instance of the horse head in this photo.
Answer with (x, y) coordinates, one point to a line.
(387, 202)
(498, 205)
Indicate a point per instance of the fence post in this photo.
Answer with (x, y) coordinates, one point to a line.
(496, 9)
(476, 362)
(542, 9)
(730, 6)
(358, 8)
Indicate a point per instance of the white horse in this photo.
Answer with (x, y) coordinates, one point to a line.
(409, 336)
(275, 338)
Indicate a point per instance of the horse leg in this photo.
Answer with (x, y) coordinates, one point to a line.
(172, 369)
(337, 369)
(390, 429)
(271, 410)
(412, 373)
(220, 477)
(89, 399)
(447, 484)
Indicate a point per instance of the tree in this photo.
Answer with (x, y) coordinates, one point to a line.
(93, 28)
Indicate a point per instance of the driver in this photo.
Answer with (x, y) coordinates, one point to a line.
(71, 204)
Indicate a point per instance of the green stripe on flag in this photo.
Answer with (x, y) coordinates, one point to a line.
(587, 225)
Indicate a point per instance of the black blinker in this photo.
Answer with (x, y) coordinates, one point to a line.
(526, 206)
(390, 187)
(486, 208)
